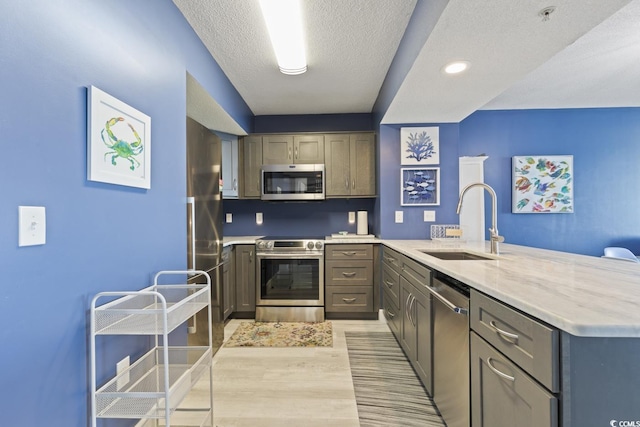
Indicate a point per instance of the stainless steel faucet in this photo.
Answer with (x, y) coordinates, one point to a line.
(495, 237)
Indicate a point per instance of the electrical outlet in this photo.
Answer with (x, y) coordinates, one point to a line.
(429, 216)
(229, 218)
(258, 217)
(399, 217)
(122, 367)
(352, 217)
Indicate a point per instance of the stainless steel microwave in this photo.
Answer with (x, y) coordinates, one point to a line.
(292, 182)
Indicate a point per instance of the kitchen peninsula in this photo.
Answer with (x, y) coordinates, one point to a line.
(583, 309)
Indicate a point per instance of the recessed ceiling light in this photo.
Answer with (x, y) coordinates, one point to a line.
(284, 22)
(456, 67)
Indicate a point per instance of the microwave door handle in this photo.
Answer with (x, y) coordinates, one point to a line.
(191, 202)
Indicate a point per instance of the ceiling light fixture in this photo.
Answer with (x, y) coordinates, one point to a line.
(456, 67)
(284, 23)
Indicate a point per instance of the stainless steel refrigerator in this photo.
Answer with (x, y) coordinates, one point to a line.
(204, 226)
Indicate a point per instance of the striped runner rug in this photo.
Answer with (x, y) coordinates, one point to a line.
(388, 392)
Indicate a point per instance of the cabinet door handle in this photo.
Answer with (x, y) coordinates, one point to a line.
(250, 256)
(348, 273)
(502, 332)
(289, 155)
(389, 284)
(392, 315)
(497, 372)
(348, 253)
(411, 309)
(235, 184)
(349, 300)
(406, 307)
(353, 184)
(296, 152)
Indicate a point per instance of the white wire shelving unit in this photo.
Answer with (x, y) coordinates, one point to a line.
(154, 385)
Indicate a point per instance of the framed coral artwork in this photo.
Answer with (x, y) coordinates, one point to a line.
(419, 146)
(542, 184)
(419, 186)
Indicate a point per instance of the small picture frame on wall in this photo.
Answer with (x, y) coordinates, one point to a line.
(420, 146)
(542, 184)
(420, 186)
(118, 142)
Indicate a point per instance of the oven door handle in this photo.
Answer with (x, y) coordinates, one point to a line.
(287, 255)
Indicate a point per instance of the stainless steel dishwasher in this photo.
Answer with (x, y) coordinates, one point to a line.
(451, 350)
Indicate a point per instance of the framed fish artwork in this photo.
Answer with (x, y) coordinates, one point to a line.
(542, 184)
(420, 186)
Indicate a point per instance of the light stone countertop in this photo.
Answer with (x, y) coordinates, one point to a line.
(579, 294)
(239, 240)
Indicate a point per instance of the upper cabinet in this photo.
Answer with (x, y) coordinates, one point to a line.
(349, 159)
(350, 165)
(251, 166)
(230, 168)
(287, 149)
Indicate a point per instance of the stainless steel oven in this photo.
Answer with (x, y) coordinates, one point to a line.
(289, 279)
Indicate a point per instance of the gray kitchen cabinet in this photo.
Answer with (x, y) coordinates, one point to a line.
(251, 166)
(350, 165)
(407, 307)
(514, 367)
(503, 395)
(287, 149)
(230, 180)
(245, 276)
(228, 281)
(349, 280)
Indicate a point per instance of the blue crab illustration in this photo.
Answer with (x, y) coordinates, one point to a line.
(120, 147)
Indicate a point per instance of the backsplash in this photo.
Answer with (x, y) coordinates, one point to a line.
(296, 219)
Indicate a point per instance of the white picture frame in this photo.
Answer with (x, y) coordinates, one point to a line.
(420, 186)
(420, 146)
(118, 141)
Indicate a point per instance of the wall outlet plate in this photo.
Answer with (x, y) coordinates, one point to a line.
(32, 225)
(352, 217)
(429, 216)
(258, 217)
(229, 218)
(399, 217)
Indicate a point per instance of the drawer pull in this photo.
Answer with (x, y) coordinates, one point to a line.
(349, 300)
(348, 253)
(391, 315)
(505, 334)
(348, 273)
(498, 373)
(388, 283)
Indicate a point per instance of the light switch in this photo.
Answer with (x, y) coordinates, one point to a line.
(429, 216)
(258, 217)
(399, 217)
(352, 217)
(32, 225)
(229, 218)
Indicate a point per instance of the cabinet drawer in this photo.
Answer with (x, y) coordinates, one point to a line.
(391, 283)
(344, 252)
(416, 274)
(391, 313)
(351, 299)
(348, 273)
(533, 346)
(503, 394)
(392, 259)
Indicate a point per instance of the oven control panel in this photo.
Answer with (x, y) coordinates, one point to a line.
(293, 245)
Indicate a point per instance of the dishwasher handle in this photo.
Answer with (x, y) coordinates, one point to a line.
(451, 306)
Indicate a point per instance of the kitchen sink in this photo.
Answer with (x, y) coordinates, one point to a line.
(456, 255)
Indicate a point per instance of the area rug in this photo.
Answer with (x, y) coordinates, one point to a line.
(282, 334)
(388, 392)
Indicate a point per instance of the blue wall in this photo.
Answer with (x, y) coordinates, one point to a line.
(99, 236)
(414, 226)
(604, 143)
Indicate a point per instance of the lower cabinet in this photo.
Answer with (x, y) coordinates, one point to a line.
(504, 395)
(349, 279)
(245, 278)
(228, 281)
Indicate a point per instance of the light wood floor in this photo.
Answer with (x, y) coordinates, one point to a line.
(269, 387)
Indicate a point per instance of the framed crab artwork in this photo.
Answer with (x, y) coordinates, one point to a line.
(542, 184)
(420, 146)
(118, 142)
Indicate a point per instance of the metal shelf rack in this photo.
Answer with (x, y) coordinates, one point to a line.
(153, 387)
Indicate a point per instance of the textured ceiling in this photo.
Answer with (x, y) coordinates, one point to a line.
(517, 61)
